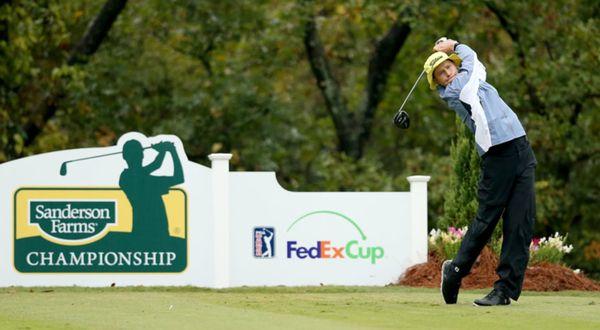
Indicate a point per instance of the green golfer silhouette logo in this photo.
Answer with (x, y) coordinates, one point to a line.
(145, 190)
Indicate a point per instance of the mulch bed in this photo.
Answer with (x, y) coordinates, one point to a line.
(542, 277)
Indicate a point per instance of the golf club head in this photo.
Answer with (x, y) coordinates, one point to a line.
(63, 169)
(401, 119)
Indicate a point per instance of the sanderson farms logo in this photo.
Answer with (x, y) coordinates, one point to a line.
(140, 226)
(72, 222)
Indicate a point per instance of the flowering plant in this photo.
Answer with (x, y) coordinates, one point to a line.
(446, 243)
(551, 249)
(545, 249)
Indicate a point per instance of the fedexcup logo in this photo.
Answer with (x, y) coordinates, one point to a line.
(354, 249)
(74, 221)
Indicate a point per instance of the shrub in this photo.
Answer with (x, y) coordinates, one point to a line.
(460, 204)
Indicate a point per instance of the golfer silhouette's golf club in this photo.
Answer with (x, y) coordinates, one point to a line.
(63, 166)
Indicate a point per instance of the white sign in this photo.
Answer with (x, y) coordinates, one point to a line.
(140, 213)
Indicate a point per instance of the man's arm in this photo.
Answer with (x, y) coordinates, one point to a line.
(165, 182)
(157, 162)
(177, 169)
(463, 113)
(467, 56)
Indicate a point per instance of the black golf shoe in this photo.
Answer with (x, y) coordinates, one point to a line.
(450, 282)
(494, 298)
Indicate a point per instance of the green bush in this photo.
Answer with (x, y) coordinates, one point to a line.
(461, 204)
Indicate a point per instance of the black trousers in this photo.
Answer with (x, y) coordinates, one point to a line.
(506, 188)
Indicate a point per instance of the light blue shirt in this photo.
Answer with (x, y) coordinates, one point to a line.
(500, 121)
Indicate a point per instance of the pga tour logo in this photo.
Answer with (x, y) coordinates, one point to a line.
(264, 242)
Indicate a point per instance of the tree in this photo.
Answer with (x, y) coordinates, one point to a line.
(460, 206)
(353, 128)
(21, 135)
(239, 76)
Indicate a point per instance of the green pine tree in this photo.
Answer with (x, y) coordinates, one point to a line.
(460, 205)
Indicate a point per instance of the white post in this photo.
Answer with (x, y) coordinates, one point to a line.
(418, 217)
(220, 191)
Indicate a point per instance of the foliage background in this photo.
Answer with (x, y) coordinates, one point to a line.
(235, 76)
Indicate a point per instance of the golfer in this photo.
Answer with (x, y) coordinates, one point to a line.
(506, 184)
(144, 190)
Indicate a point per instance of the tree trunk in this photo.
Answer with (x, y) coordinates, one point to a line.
(87, 46)
(4, 23)
(353, 129)
(380, 65)
(536, 103)
(96, 32)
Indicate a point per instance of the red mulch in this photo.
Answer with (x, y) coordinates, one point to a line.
(542, 277)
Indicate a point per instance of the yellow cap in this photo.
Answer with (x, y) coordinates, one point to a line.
(433, 61)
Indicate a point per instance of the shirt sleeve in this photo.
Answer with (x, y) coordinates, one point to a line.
(463, 113)
(467, 55)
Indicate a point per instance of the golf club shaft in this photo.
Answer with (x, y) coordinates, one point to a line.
(442, 39)
(98, 156)
(411, 90)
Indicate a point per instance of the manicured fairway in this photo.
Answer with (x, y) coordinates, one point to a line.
(286, 308)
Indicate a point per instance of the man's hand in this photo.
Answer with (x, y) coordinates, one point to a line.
(446, 46)
(163, 146)
(170, 146)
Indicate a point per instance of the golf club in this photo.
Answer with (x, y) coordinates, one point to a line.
(63, 166)
(401, 119)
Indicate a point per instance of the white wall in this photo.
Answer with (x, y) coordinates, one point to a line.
(258, 200)
(223, 210)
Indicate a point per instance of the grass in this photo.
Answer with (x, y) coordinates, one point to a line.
(288, 308)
